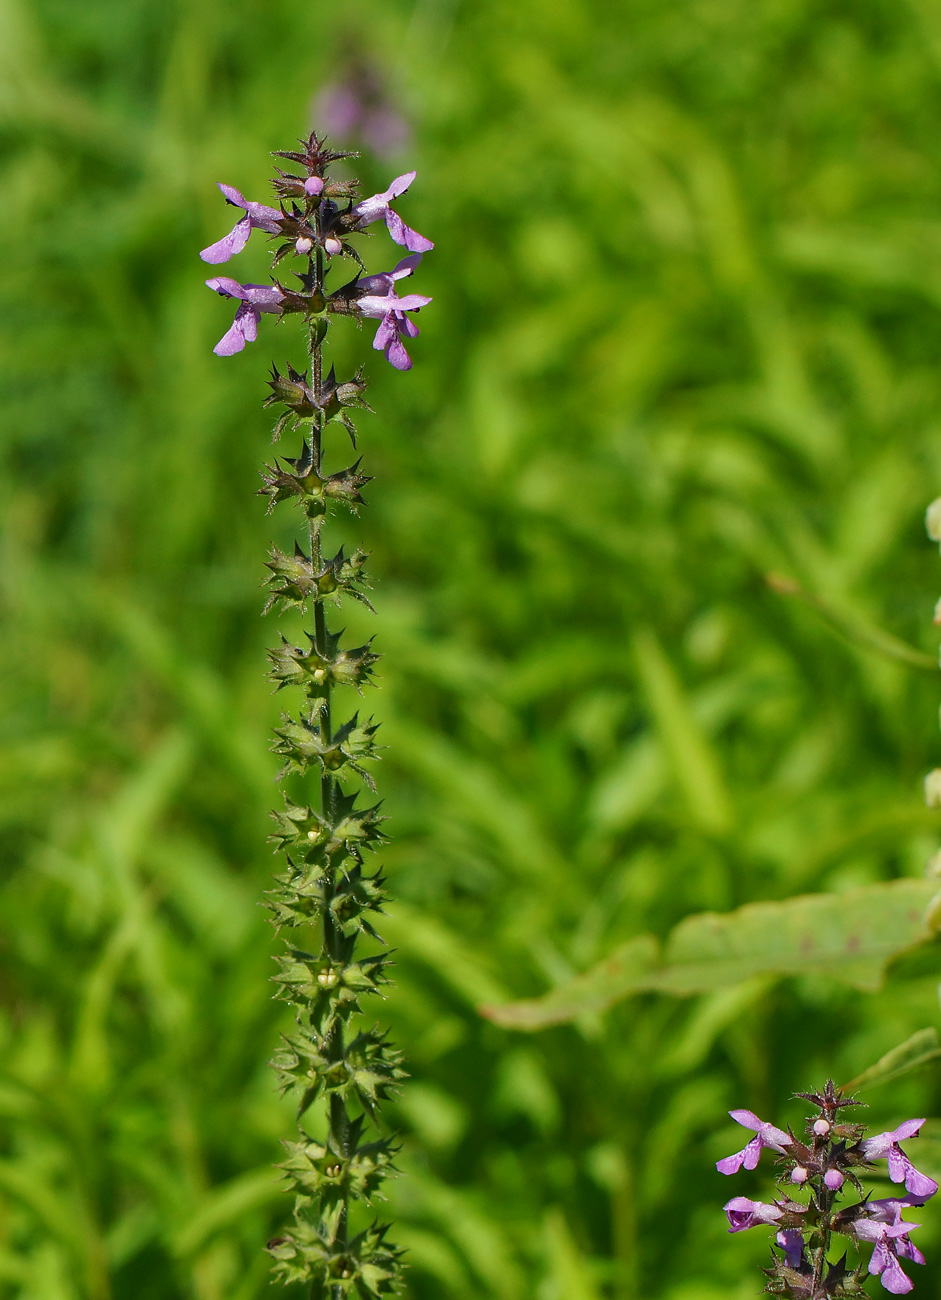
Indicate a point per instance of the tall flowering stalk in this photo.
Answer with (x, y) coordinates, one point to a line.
(824, 1167)
(338, 1065)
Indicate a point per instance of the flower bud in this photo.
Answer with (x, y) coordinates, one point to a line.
(933, 520)
(933, 788)
(833, 1179)
(314, 186)
(303, 245)
(821, 1127)
(332, 246)
(799, 1174)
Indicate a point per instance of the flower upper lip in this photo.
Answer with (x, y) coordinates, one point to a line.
(379, 205)
(257, 217)
(885, 1146)
(253, 299)
(766, 1135)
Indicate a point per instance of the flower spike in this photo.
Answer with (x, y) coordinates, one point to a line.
(826, 1165)
(325, 897)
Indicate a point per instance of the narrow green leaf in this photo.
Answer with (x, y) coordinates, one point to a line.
(568, 1268)
(454, 962)
(850, 936)
(691, 756)
(921, 1048)
(225, 1205)
(854, 629)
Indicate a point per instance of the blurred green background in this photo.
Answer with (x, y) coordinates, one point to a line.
(686, 330)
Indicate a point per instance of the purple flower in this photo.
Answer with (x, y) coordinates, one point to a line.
(378, 205)
(891, 1244)
(886, 1146)
(253, 300)
(766, 1136)
(380, 302)
(791, 1241)
(743, 1213)
(257, 217)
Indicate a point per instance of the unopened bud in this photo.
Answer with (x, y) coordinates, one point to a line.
(933, 788)
(821, 1127)
(833, 1179)
(799, 1174)
(332, 246)
(933, 520)
(314, 186)
(937, 614)
(303, 245)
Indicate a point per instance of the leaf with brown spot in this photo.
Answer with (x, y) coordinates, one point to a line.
(851, 936)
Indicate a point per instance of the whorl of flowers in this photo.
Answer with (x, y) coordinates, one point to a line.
(338, 1065)
(826, 1168)
(315, 220)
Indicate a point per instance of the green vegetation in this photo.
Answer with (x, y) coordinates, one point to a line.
(686, 333)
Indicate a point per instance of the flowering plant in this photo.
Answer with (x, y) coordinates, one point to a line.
(833, 1156)
(338, 1065)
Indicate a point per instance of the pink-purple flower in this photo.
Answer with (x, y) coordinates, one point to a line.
(743, 1213)
(257, 217)
(766, 1135)
(380, 302)
(253, 299)
(891, 1243)
(379, 205)
(885, 1146)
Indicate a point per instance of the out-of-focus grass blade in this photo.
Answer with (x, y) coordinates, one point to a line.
(692, 758)
(446, 954)
(849, 936)
(64, 1218)
(480, 792)
(460, 1219)
(854, 629)
(201, 691)
(570, 1275)
(918, 1050)
(224, 1205)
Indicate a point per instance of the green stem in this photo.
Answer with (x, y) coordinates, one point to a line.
(338, 1118)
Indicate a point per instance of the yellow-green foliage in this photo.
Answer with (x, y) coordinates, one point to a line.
(686, 331)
